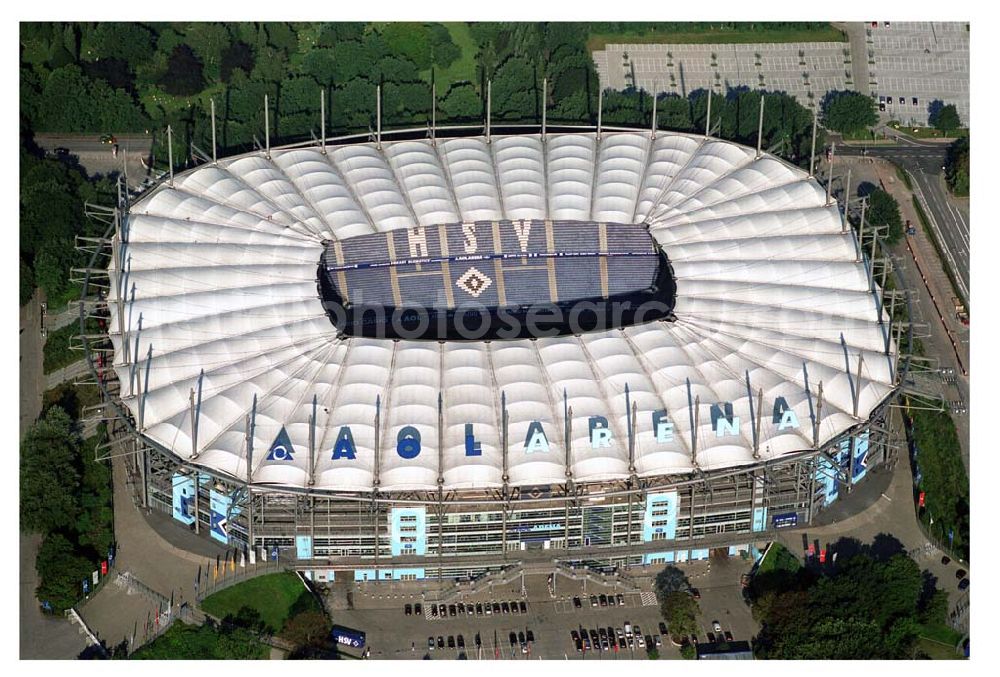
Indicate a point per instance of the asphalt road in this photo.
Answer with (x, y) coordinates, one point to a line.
(949, 220)
(98, 158)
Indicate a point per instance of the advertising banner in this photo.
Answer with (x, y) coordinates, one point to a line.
(304, 547)
(408, 531)
(183, 498)
(660, 519)
(219, 504)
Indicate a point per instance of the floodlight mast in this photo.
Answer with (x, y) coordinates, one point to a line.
(170, 154)
(489, 103)
(378, 117)
(322, 120)
(829, 175)
(760, 126)
(600, 110)
(433, 113)
(652, 133)
(545, 104)
(812, 153)
(847, 201)
(215, 159)
(708, 114)
(267, 131)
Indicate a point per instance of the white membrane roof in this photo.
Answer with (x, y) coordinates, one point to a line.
(219, 286)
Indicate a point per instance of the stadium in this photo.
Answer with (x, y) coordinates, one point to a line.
(411, 355)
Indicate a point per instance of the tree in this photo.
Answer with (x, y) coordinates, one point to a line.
(674, 112)
(50, 474)
(27, 282)
(957, 167)
(883, 210)
(849, 112)
(411, 40)
(670, 579)
(515, 90)
(61, 572)
(680, 611)
(184, 75)
(460, 104)
(946, 119)
(130, 41)
(307, 629)
(238, 55)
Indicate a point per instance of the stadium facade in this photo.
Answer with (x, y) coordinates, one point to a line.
(258, 404)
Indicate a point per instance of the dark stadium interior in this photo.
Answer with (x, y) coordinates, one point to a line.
(502, 280)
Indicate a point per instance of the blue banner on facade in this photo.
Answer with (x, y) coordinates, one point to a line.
(408, 531)
(660, 519)
(759, 519)
(304, 547)
(220, 504)
(183, 498)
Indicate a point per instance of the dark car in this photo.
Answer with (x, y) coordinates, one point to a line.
(695, 593)
(915, 101)
(586, 642)
(461, 642)
(621, 599)
(711, 637)
(663, 628)
(963, 584)
(512, 637)
(593, 600)
(577, 603)
(694, 639)
(524, 606)
(530, 635)
(451, 641)
(442, 610)
(434, 610)
(945, 559)
(611, 600)
(902, 101)
(469, 609)
(440, 642)
(881, 107)
(496, 607)
(575, 635)
(504, 607)
(960, 574)
(479, 640)
(603, 599)
(418, 609)
(452, 610)
(729, 636)
(621, 641)
(595, 638)
(479, 608)
(461, 608)
(408, 610)
(514, 608)
(603, 632)
(430, 643)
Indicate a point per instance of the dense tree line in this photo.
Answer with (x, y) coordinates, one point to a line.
(66, 496)
(957, 167)
(872, 602)
(942, 478)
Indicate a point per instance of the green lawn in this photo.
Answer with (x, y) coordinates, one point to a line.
(464, 67)
(937, 650)
(927, 132)
(56, 353)
(276, 597)
(597, 41)
(779, 558)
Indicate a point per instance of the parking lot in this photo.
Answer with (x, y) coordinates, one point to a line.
(550, 614)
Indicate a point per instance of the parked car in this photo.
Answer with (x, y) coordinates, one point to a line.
(603, 600)
(621, 642)
(586, 643)
(496, 607)
(963, 584)
(418, 609)
(461, 608)
(717, 626)
(881, 107)
(696, 593)
(488, 608)
(452, 610)
(593, 600)
(440, 642)
(663, 628)
(524, 606)
(461, 642)
(408, 610)
(640, 641)
(512, 637)
(514, 608)
(711, 637)
(729, 636)
(915, 101)
(430, 643)
(442, 610)
(469, 609)
(479, 608)
(434, 611)
(902, 101)
(621, 599)
(504, 607)
(945, 559)
(451, 641)
(529, 635)
(657, 642)
(960, 574)
(575, 635)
